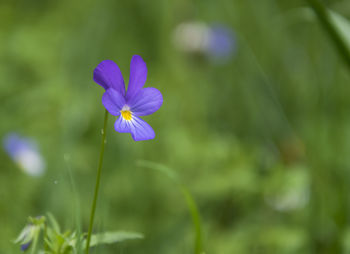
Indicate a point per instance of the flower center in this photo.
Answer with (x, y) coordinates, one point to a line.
(126, 113)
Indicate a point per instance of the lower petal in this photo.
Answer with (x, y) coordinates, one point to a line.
(139, 129)
(122, 125)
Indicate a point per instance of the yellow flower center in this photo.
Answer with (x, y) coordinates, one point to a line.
(126, 114)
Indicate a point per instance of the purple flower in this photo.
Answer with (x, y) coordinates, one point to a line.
(131, 104)
(25, 246)
(25, 153)
(217, 41)
(221, 42)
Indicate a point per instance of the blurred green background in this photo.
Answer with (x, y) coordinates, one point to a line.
(261, 140)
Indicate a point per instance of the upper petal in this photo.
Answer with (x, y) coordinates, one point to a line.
(139, 129)
(146, 101)
(107, 74)
(138, 75)
(113, 101)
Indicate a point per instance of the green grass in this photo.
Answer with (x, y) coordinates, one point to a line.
(261, 142)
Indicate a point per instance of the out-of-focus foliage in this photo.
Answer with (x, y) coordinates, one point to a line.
(44, 235)
(261, 140)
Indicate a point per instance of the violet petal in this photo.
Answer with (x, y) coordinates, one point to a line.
(139, 129)
(25, 246)
(138, 75)
(113, 101)
(146, 101)
(108, 75)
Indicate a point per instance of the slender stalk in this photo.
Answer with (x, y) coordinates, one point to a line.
(97, 186)
(196, 220)
(325, 20)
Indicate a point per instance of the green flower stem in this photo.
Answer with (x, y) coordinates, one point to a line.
(196, 220)
(325, 20)
(97, 186)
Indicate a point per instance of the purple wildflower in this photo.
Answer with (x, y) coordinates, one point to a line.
(25, 153)
(25, 246)
(221, 43)
(131, 104)
(217, 41)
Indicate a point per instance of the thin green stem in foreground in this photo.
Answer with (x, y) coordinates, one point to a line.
(97, 186)
(191, 204)
(325, 20)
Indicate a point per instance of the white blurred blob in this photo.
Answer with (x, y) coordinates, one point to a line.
(192, 37)
(292, 200)
(25, 154)
(216, 41)
(31, 162)
(289, 190)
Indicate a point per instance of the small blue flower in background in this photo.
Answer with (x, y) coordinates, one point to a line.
(25, 246)
(131, 104)
(25, 153)
(216, 41)
(222, 43)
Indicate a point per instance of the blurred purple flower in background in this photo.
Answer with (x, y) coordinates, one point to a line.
(217, 41)
(128, 105)
(221, 42)
(25, 246)
(25, 153)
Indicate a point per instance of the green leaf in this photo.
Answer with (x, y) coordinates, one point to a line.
(341, 23)
(343, 26)
(112, 237)
(49, 244)
(159, 167)
(53, 222)
(337, 26)
(25, 236)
